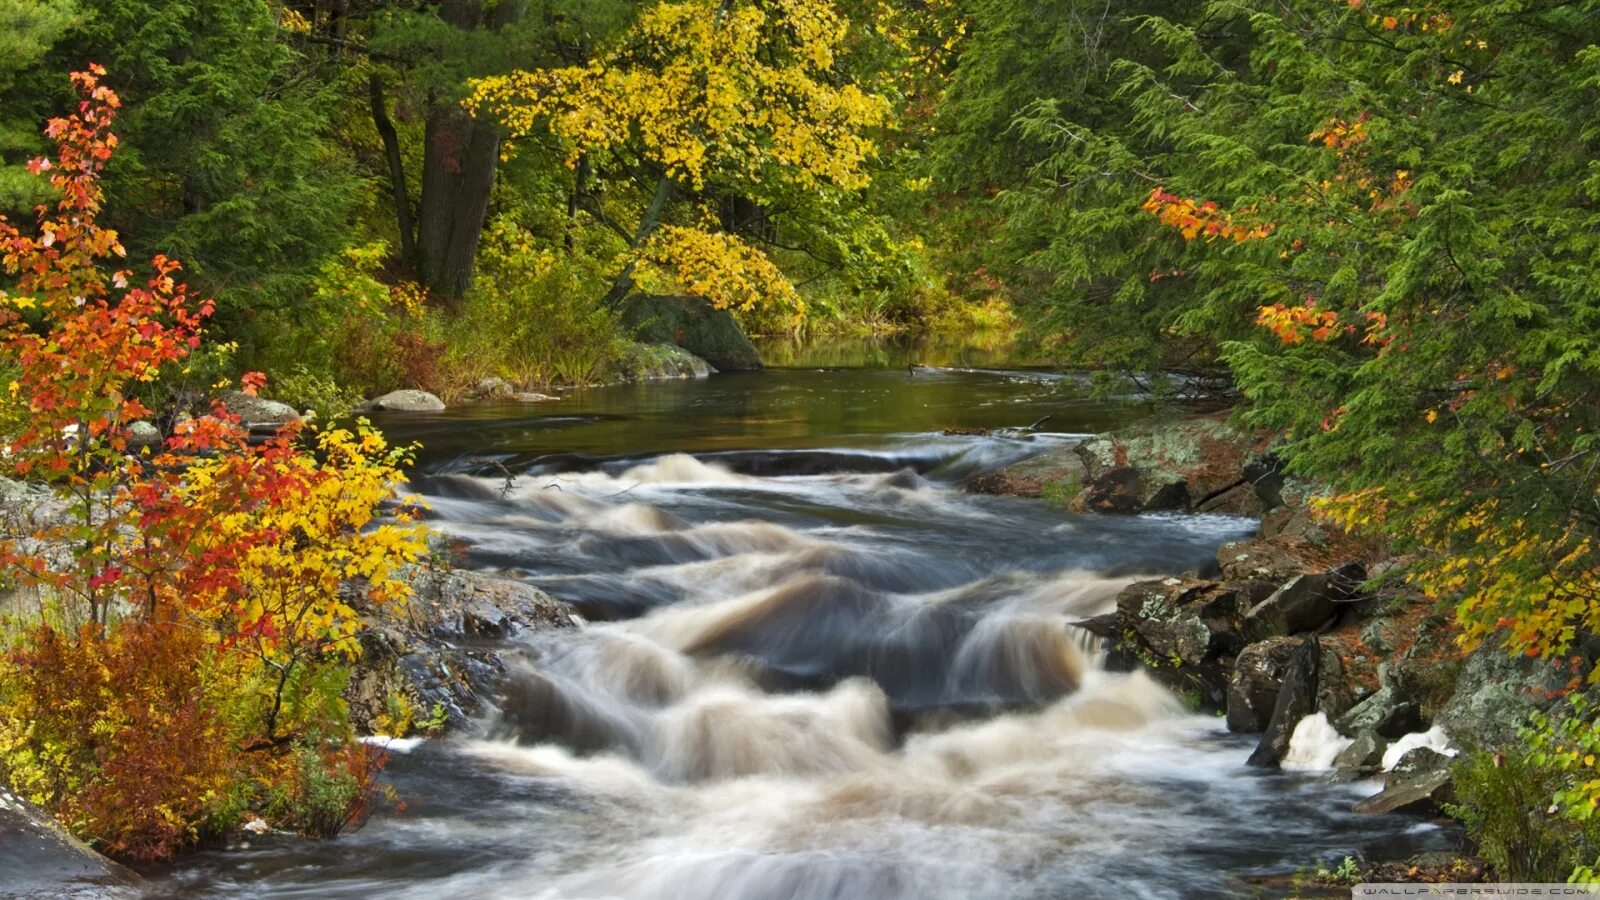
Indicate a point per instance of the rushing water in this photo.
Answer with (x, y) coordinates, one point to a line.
(817, 668)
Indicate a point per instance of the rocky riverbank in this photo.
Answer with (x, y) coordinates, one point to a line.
(1302, 635)
(445, 652)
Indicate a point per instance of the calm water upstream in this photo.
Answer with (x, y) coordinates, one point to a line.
(817, 668)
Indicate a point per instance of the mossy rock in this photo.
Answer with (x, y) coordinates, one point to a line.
(693, 324)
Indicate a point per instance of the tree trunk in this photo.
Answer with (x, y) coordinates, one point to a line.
(647, 226)
(458, 167)
(397, 170)
(580, 176)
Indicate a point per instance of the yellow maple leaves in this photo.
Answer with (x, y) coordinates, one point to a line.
(1504, 574)
(703, 85)
(719, 267)
(318, 534)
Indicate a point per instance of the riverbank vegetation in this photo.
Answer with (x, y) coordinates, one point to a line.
(1378, 220)
(1373, 223)
(180, 618)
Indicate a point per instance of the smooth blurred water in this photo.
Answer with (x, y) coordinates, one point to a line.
(817, 667)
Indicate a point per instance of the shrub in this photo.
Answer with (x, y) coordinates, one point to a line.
(531, 317)
(116, 736)
(200, 603)
(1503, 800)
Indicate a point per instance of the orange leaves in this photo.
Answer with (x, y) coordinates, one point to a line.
(1199, 219)
(1292, 324)
(121, 732)
(1295, 324)
(1378, 334)
(1340, 134)
(1404, 17)
(1356, 181)
(234, 569)
(252, 382)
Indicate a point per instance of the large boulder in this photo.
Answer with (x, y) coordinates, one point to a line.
(1495, 693)
(1386, 713)
(1297, 698)
(1303, 603)
(1414, 792)
(1260, 672)
(1187, 630)
(1362, 757)
(458, 603)
(1419, 783)
(405, 400)
(693, 324)
(39, 859)
(143, 434)
(1124, 490)
(1188, 620)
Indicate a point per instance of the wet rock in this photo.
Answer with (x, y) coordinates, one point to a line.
(1186, 631)
(1191, 621)
(1259, 673)
(432, 652)
(532, 397)
(258, 413)
(1055, 475)
(1421, 761)
(1419, 782)
(456, 684)
(1385, 712)
(405, 400)
(1239, 500)
(1425, 794)
(1303, 603)
(693, 324)
(660, 362)
(1297, 698)
(1363, 757)
(39, 859)
(1115, 491)
(458, 603)
(1105, 625)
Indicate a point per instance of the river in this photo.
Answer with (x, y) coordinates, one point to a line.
(817, 668)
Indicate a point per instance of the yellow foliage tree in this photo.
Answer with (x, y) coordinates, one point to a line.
(712, 98)
(719, 267)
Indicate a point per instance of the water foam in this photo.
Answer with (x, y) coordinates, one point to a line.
(1314, 744)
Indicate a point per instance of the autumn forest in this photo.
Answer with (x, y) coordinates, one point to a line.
(297, 296)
